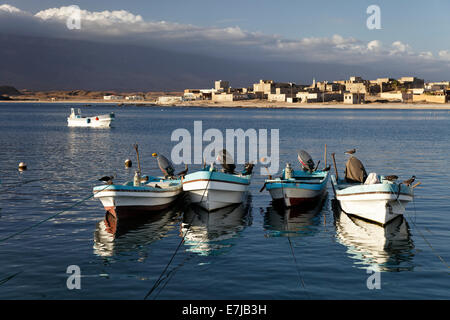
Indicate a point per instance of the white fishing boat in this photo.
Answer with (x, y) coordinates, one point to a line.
(213, 189)
(142, 195)
(298, 187)
(100, 121)
(375, 198)
(128, 200)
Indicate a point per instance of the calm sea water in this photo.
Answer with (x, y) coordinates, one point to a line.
(249, 252)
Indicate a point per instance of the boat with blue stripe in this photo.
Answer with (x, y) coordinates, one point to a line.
(298, 187)
(212, 188)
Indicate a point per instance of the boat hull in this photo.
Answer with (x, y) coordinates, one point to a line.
(292, 197)
(298, 192)
(379, 203)
(128, 202)
(215, 190)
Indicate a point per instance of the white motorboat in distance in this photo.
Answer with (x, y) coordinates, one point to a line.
(100, 121)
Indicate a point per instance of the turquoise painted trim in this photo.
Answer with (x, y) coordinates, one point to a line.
(293, 184)
(216, 175)
(129, 186)
(347, 188)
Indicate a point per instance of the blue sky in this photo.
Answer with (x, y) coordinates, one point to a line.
(422, 24)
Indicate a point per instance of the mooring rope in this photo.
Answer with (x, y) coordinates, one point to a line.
(292, 249)
(159, 280)
(4, 280)
(51, 217)
(21, 184)
(420, 232)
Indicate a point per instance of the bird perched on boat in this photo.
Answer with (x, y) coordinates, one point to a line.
(184, 172)
(248, 168)
(107, 179)
(227, 161)
(409, 181)
(165, 165)
(391, 178)
(350, 151)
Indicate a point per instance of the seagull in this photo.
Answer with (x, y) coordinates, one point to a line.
(391, 178)
(350, 151)
(409, 181)
(165, 165)
(107, 179)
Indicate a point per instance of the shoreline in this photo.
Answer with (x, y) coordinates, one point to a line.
(259, 104)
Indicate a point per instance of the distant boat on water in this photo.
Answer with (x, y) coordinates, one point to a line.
(100, 121)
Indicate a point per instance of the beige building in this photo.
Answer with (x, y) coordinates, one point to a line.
(354, 98)
(221, 85)
(411, 82)
(432, 98)
(397, 96)
(311, 97)
(234, 96)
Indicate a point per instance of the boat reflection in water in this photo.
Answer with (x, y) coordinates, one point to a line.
(388, 248)
(212, 233)
(280, 221)
(114, 236)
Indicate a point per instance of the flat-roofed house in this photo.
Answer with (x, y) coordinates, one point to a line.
(354, 98)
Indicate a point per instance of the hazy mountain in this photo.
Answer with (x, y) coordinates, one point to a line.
(60, 64)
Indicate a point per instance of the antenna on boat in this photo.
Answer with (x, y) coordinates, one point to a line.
(335, 168)
(138, 161)
(325, 156)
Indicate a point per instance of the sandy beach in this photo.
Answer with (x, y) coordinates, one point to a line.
(245, 104)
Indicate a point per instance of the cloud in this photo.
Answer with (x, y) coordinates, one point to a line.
(10, 9)
(125, 27)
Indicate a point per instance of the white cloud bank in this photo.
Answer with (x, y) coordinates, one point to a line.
(122, 25)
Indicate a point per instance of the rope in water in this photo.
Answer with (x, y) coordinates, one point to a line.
(292, 252)
(21, 184)
(159, 280)
(51, 217)
(420, 232)
(4, 280)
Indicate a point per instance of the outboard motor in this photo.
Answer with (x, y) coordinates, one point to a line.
(227, 161)
(355, 171)
(305, 160)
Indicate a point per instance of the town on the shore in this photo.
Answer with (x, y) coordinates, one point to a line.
(355, 90)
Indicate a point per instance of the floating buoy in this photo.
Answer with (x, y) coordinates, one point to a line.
(128, 163)
(22, 166)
